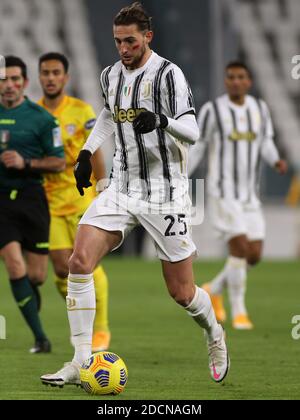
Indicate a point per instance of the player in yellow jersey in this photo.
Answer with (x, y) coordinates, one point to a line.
(76, 119)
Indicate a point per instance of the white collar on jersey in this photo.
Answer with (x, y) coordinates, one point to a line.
(140, 70)
(238, 107)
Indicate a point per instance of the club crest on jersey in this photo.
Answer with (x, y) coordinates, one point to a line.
(70, 128)
(238, 135)
(121, 115)
(146, 89)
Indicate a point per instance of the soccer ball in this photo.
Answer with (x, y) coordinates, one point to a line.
(103, 373)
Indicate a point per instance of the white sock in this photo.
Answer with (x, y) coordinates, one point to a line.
(219, 282)
(200, 308)
(236, 281)
(81, 306)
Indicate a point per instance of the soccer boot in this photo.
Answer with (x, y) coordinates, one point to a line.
(217, 303)
(68, 375)
(242, 322)
(218, 358)
(41, 346)
(101, 341)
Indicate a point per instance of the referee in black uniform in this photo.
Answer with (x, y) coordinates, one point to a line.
(30, 145)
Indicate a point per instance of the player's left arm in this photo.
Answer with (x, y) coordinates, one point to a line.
(179, 118)
(269, 151)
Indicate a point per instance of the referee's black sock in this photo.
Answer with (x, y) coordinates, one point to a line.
(26, 301)
(37, 293)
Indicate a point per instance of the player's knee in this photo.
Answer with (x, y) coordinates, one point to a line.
(15, 267)
(62, 271)
(238, 247)
(253, 258)
(37, 277)
(240, 251)
(183, 298)
(79, 263)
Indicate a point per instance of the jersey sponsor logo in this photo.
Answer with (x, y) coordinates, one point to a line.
(56, 134)
(70, 129)
(238, 135)
(90, 124)
(122, 115)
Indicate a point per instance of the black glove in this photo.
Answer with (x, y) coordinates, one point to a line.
(147, 121)
(83, 170)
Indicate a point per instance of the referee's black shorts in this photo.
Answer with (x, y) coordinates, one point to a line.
(25, 218)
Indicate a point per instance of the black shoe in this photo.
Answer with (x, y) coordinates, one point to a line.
(43, 346)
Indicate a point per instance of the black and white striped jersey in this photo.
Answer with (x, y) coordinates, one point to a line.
(237, 138)
(152, 166)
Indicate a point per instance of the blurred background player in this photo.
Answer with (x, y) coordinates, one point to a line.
(238, 131)
(30, 145)
(76, 119)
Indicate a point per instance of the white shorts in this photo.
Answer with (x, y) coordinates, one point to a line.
(167, 224)
(232, 218)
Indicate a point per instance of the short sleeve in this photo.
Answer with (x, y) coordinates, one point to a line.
(104, 85)
(178, 94)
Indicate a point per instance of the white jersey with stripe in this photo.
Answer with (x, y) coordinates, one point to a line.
(152, 166)
(237, 137)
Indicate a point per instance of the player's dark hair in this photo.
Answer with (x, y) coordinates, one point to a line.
(13, 61)
(238, 64)
(55, 56)
(135, 13)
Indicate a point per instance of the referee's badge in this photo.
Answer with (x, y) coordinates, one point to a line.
(57, 141)
(4, 138)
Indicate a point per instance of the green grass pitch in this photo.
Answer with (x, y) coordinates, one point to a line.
(164, 350)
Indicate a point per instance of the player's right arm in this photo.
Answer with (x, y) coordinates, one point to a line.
(269, 151)
(102, 130)
(206, 124)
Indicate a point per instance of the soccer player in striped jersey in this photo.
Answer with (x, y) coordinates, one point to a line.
(149, 108)
(237, 129)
